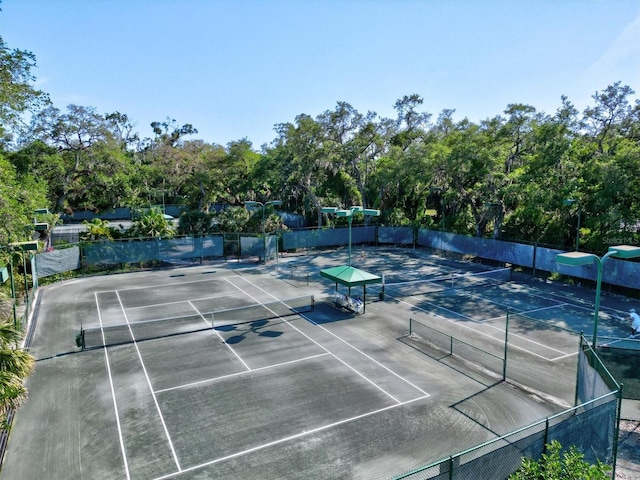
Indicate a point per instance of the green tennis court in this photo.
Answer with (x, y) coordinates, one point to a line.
(219, 372)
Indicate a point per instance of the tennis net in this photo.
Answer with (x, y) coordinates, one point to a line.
(264, 311)
(455, 280)
(109, 335)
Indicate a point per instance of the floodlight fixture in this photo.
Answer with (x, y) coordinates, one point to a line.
(625, 251)
(25, 246)
(576, 259)
(371, 212)
(329, 210)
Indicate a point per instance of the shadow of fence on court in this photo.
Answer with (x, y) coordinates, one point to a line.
(592, 425)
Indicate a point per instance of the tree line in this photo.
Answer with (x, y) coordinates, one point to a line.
(522, 174)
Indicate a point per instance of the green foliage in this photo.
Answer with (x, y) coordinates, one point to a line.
(195, 222)
(17, 92)
(19, 197)
(559, 465)
(15, 366)
(234, 219)
(151, 224)
(98, 229)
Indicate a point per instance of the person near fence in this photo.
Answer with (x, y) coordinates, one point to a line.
(635, 322)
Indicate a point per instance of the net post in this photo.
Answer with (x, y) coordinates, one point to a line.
(410, 326)
(506, 343)
(82, 339)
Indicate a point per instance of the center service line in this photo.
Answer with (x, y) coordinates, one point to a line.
(317, 343)
(220, 336)
(343, 341)
(153, 395)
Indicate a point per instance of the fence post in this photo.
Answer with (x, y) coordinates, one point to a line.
(575, 398)
(506, 343)
(546, 435)
(616, 431)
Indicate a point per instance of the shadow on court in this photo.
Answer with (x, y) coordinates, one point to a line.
(245, 330)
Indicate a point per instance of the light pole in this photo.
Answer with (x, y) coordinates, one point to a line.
(574, 259)
(251, 204)
(439, 191)
(568, 202)
(367, 212)
(23, 247)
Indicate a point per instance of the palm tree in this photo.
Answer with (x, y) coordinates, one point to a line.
(15, 366)
(150, 225)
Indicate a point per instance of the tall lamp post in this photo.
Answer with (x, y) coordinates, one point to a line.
(439, 191)
(574, 259)
(568, 202)
(263, 206)
(22, 247)
(367, 212)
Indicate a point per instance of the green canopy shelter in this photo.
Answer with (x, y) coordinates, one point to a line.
(351, 277)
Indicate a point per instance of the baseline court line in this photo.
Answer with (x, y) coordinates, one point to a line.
(237, 374)
(113, 392)
(153, 395)
(342, 340)
(317, 343)
(289, 438)
(220, 337)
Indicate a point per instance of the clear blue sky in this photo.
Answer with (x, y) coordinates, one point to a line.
(234, 68)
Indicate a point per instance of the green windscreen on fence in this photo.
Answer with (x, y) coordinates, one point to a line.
(591, 426)
(122, 333)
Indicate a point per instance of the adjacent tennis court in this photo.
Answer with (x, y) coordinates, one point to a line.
(221, 371)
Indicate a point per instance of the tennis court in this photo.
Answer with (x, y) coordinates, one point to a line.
(226, 372)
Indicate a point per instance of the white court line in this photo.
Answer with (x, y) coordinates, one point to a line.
(153, 395)
(113, 393)
(289, 438)
(342, 340)
(317, 343)
(222, 339)
(142, 287)
(179, 301)
(237, 374)
(462, 325)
